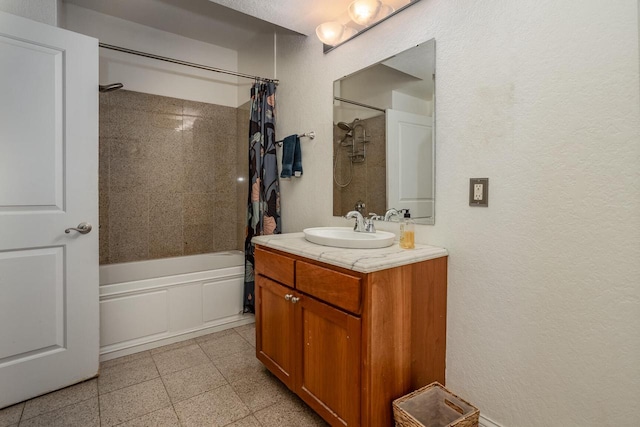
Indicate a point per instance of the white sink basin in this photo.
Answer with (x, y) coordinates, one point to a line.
(345, 237)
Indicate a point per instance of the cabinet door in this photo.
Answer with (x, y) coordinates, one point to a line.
(328, 370)
(275, 329)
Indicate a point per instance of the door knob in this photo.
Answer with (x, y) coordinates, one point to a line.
(295, 300)
(82, 228)
(288, 297)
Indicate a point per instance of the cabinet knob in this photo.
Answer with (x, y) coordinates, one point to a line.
(288, 297)
(295, 300)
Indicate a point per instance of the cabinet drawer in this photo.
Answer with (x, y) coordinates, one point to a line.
(274, 266)
(338, 289)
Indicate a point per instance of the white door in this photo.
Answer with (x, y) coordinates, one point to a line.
(48, 182)
(410, 173)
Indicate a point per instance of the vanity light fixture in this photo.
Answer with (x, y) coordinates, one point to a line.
(362, 12)
(363, 15)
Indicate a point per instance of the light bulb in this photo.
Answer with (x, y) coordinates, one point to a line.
(385, 10)
(363, 12)
(348, 33)
(330, 33)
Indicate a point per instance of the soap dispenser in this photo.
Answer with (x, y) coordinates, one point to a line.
(407, 234)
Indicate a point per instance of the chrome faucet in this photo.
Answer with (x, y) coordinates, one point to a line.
(363, 225)
(369, 227)
(391, 212)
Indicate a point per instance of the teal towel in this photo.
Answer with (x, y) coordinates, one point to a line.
(297, 158)
(291, 157)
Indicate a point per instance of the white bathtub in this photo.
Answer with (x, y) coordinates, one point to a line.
(147, 304)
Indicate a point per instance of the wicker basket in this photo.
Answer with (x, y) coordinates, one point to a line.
(434, 406)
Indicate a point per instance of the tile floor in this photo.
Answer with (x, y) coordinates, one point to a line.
(213, 380)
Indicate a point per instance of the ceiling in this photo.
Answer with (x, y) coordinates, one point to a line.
(301, 16)
(227, 23)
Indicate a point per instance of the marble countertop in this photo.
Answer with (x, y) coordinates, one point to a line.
(362, 260)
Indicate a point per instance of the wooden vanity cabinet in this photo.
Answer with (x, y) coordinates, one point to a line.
(349, 343)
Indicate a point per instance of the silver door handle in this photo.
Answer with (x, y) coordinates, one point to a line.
(82, 228)
(288, 297)
(295, 300)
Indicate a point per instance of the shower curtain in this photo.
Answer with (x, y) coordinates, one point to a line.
(263, 209)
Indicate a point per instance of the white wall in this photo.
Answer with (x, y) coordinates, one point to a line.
(411, 104)
(256, 59)
(152, 76)
(544, 285)
(46, 11)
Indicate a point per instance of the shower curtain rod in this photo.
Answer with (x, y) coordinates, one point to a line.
(188, 64)
(359, 104)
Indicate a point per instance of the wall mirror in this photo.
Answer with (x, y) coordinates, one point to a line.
(383, 136)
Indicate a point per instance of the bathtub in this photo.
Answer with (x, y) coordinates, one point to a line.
(148, 304)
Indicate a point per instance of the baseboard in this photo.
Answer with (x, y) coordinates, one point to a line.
(486, 422)
(112, 352)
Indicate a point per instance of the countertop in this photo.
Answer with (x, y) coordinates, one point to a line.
(362, 260)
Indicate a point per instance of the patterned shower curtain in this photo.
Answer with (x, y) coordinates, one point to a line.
(263, 210)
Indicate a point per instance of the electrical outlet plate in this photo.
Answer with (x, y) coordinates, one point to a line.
(479, 192)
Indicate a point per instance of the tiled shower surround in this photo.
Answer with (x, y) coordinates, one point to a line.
(369, 177)
(168, 178)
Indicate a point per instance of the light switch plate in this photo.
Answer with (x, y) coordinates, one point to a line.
(479, 192)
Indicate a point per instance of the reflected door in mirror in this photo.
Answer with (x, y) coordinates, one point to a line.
(410, 154)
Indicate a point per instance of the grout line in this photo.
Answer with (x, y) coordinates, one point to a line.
(99, 410)
(22, 412)
(145, 414)
(168, 395)
(61, 407)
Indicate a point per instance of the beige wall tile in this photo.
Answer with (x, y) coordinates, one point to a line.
(128, 175)
(198, 239)
(198, 145)
(177, 154)
(165, 241)
(103, 243)
(165, 209)
(166, 176)
(128, 208)
(199, 177)
(129, 242)
(198, 208)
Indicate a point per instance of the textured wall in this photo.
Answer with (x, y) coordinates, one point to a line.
(543, 98)
(168, 177)
(46, 11)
